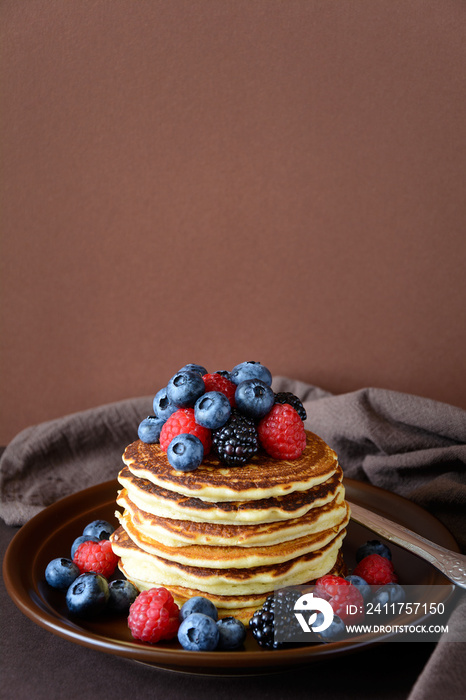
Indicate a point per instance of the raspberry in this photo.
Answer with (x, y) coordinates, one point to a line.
(153, 616)
(376, 570)
(281, 432)
(215, 382)
(97, 557)
(329, 585)
(341, 594)
(183, 421)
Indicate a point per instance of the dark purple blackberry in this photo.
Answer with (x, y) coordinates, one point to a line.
(236, 441)
(293, 401)
(276, 620)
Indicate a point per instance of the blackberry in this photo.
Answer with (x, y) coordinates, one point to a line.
(293, 401)
(236, 441)
(276, 620)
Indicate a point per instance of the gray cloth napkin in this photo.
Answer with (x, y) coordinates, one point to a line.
(409, 445)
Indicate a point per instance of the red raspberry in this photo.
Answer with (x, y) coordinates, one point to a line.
(281, 432)
(215, 382)
(346, 601)
(376, 570)
(97, 557)
(153, 616)
(183, 421)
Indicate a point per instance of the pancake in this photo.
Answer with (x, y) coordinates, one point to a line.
(227, 556)
(231, 534)
(242, 607)
(178, 533)
(141, 565)
(170, 504)
(263, 477)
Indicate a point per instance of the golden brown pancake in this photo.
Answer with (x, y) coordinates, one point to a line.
(227, 556)
(141, 565)
(170, 504)
(242, 607)
(178, 533)
(263, 477)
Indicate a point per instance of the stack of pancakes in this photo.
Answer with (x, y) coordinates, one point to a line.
(231, 534)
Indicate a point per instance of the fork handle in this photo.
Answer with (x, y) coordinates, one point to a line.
(451, 564)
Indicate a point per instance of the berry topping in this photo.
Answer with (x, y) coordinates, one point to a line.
(388, 594)
(212, 410)
(334, 633)
(163, 407)
(194, 368)
(100, 529)
(232, 633)
(282, 433)
(376, 570)
(79, 540)
(122, 594)
(362, 586)
(60, 573)
(154, 616)
(275, 622)
(250, 370)
(88, 594)
(291, 400)
(198, 632)
(373, 547)
(97, 557)
(346, 600)
(184, 388)
(149, 429)
(254, 398)
(198, 604)
(185, 452)
(217, 382)
(236, 442)
(184, 421)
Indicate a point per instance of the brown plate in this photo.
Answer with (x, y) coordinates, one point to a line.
(51, 533)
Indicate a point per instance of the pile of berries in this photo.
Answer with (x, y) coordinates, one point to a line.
(85, 575)
(373, 580)
(233, 413)
(154, 616)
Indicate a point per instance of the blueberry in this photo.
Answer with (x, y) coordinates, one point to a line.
(185, 452)
(251, 370)
(198, 604)
(254, 398)
(121, 595)
(373, 547)
(100, 529)
(149, 429)
(224, 373)
(79, 540)
(163, 407)
(232, 633)
(212, 410)
(87, 595)
(194, 368)
(390, 593)
(185, 388)
(198, 632)
(334, 633)
(60, 573)
(362, 586)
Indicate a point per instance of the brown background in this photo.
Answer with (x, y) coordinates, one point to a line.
(215, 181)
